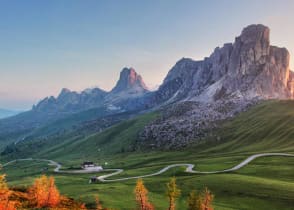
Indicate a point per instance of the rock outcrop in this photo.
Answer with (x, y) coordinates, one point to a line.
(129, 88)
(248, 68)
(129, 81)
(71, 101)
(206, 92)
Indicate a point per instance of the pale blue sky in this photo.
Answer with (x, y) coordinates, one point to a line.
(50, 44)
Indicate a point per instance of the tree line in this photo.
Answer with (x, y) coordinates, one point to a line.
(195, 201)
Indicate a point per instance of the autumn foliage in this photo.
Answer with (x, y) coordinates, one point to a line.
(206, 198)
(201, 201)
(194, 201)
(44, 193)
(172, 193)
(141, 194)
(5, 202)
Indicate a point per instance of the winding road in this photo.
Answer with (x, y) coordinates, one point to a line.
(189, 168)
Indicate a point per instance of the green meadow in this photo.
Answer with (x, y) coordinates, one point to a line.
(266, 183)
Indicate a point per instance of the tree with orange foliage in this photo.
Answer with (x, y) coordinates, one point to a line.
(206, 200)
(173, 193)
(141, 194)
(194, 201)
(5, 203)
(98, 204)
(44, 193)
(53, 193)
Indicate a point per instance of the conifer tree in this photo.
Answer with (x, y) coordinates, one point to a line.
(206, 200)
(5, 203)
(194, 201)
(173, 193)
(141, 194)
(53, 193)
(44, 193)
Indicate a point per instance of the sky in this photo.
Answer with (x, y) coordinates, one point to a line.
(50, 44)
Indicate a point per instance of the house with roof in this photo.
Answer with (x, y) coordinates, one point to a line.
(91, 166)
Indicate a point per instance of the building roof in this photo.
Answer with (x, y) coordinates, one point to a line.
(88, 163)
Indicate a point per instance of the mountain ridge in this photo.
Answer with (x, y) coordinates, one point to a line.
(248, 68)
(233, 78)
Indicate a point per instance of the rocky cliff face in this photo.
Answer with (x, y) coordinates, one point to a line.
(128, 91)
(71, 101)
(206, 92)
(129, 87)
(129, 81)
(248, 68)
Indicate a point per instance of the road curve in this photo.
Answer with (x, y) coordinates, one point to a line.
(57, 168)
(189, 168)
(51, 162)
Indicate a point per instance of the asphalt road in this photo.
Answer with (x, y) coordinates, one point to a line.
(114, 172)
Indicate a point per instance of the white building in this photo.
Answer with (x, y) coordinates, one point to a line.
(90, 166)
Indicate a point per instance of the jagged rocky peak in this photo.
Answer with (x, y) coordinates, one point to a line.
(260, 69)
(256, 35)
(64, 92)
(248, 68)
(130, 81)
(252, 47)
(46, 104)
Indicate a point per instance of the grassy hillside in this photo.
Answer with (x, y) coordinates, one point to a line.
(268, 126)
(35, 125)
(60, 132)
(266, 183)
(117, 139)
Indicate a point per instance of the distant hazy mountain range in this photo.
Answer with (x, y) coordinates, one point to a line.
(4, 113)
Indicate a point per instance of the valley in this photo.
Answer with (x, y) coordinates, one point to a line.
(225, 122)
(267, 181)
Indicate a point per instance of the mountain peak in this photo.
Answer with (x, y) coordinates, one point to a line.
(129, 81)
(255, 32)
(248, 68)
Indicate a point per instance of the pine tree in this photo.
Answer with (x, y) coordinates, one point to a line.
(206, 200)
(141, 194)
(4, 191)
(5, 203)
(194, 201)
(173, 193)
(53, 193)
(44, 193)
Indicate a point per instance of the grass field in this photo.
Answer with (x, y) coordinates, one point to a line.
(266, 183)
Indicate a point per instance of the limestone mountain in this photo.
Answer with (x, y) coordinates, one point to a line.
(203, 93)
(90, 104)
(248, 68)
(130, 82)
(71, 101)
